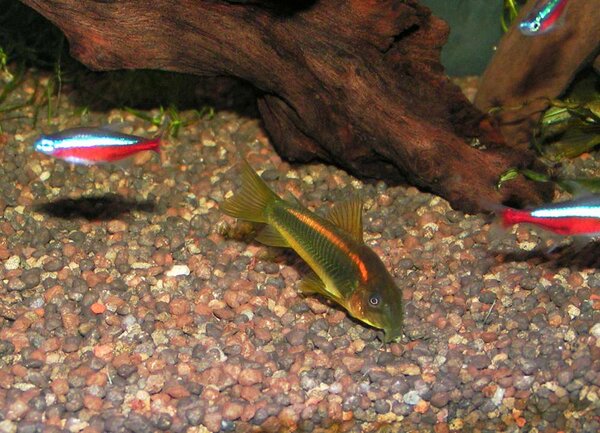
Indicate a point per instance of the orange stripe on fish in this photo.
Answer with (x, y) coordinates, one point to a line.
(334, 239)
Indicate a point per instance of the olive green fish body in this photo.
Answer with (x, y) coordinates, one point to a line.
(347, 271)
(329, 251)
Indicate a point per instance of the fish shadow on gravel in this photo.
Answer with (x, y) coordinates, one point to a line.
(575, 257)
(94, 208)
(578, 257)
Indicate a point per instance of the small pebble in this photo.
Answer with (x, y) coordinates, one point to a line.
(411, 397)
(595, 330)
(12, 263)
(178, 271)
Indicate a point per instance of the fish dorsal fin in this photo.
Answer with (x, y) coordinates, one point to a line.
(115, 126)
(270, 236)
(311, 284)
(348, 216)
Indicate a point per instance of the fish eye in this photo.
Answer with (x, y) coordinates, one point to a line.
(374, 300)
(535, 26)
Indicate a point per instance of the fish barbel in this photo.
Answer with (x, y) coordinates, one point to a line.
(346, 270)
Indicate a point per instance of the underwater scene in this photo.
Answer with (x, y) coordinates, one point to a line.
(192, 249)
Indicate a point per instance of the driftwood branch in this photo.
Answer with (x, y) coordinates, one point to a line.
(526, 72)
(357, 82)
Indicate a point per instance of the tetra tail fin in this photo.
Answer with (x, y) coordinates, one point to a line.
(250, 203)
(496, 209)
(498, 224)
(156, 143)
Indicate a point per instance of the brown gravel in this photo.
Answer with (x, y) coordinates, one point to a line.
(129, 303)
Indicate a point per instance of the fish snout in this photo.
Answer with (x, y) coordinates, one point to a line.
(43, 145)
(529, 28)
(393, 332)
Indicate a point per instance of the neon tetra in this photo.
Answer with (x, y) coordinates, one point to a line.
(89, 146)
(576, 217)
(545, 17)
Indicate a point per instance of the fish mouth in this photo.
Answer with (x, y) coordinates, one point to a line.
(392, 333)
(43, 145)
(391, 330)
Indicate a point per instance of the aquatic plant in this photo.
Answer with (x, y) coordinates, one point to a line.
(5, 74)
(568, 129)
(509, 13)
(171, 119)
(576, 185)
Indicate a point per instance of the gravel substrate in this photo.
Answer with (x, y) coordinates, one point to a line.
(130, 303)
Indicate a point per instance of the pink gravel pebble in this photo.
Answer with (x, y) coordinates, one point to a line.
(212, 421)
(232, 410)
(250, 376)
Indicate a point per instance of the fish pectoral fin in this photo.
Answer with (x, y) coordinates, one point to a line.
(348, 216)
(125, 164)
(270, 236)
(312, 284)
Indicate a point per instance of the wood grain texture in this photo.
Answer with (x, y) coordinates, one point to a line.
(357, 83)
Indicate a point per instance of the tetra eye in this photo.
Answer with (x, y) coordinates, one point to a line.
(374, 300)
(535, 26)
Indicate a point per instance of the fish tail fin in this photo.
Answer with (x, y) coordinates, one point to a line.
(499, 229)
(500, 223)
(502, 217)
(163, 129)
(250, 203)
(494, 208)
(157, 144)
